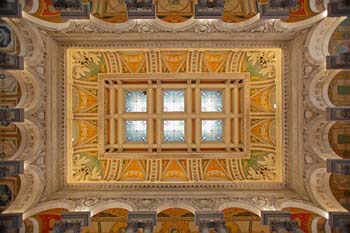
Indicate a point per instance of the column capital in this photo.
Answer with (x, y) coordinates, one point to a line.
(340, 61)
(9, 115)
(72, 221)
(277, 9)
(11, 168)
(11, 61)
(336, 8)
(338, 166)
(144, 9)
(338, 114)
(280, 220)
(339, 219)
(11, 9)
(143, 217)
(209, 217)
(80, 10)
(274, 216)
(10, 222)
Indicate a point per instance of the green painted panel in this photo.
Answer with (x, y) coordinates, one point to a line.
(343, 90)
(344, 139)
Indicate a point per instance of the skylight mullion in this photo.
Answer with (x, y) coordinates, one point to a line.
(120, 121)
(158, 111)
(227, 109)
(112, 128)
(197, 109)
(189, 109)
(150, 111)
(235, 107)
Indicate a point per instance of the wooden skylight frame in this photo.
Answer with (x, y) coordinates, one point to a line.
(235, 115)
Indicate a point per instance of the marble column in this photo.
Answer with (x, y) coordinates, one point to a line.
(338, 166)
(280, 222)
(9, 115)
(80, 10)
(206, 220)
(141, 219)
(72, 221)
(338, 8)
(10, 9)
(340, 61)
(338, 114)
(340, 221)
(10, 223)
(11, 168)
(11, 61)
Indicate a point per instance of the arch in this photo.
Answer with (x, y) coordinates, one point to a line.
(241, 204)
(30, 89)
(336, 134)
(318, 40)
(175, 204)
(330, 90)
(318, 88)
(283, 204)
(109, 205)
(113, 26)
(30, 144)
(30, 191)
(321, 192)
(300, 25)
(46, 24)
(236, 26)
(57, 204)
(316, 138)
(177, 26)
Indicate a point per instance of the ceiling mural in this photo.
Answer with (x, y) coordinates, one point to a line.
(340, 42)
(340, 186)
(111, 220)
(115, 11)
(265, 163)
(10, 137)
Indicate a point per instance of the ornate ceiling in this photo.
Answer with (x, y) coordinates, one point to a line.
(283, 166)
(264, 152)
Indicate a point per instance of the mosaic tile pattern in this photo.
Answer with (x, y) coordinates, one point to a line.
(174, 131)
(136, 101)
(174, 101)
(136, 131)
(211, 101)
(211, 130)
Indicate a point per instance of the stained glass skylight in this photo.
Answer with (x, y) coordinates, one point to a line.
(136, 131)
(211, 101)
(174, 101)
(174, 131)
(136, 101)
(211, 130)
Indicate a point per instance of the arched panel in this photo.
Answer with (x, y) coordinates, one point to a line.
(339, 139)
(339, 89)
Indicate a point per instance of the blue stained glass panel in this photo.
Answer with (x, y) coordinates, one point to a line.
(136, 101)
(136, 131)
(174, 131)
(211, 130)
(174, 100)
(211, 101)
